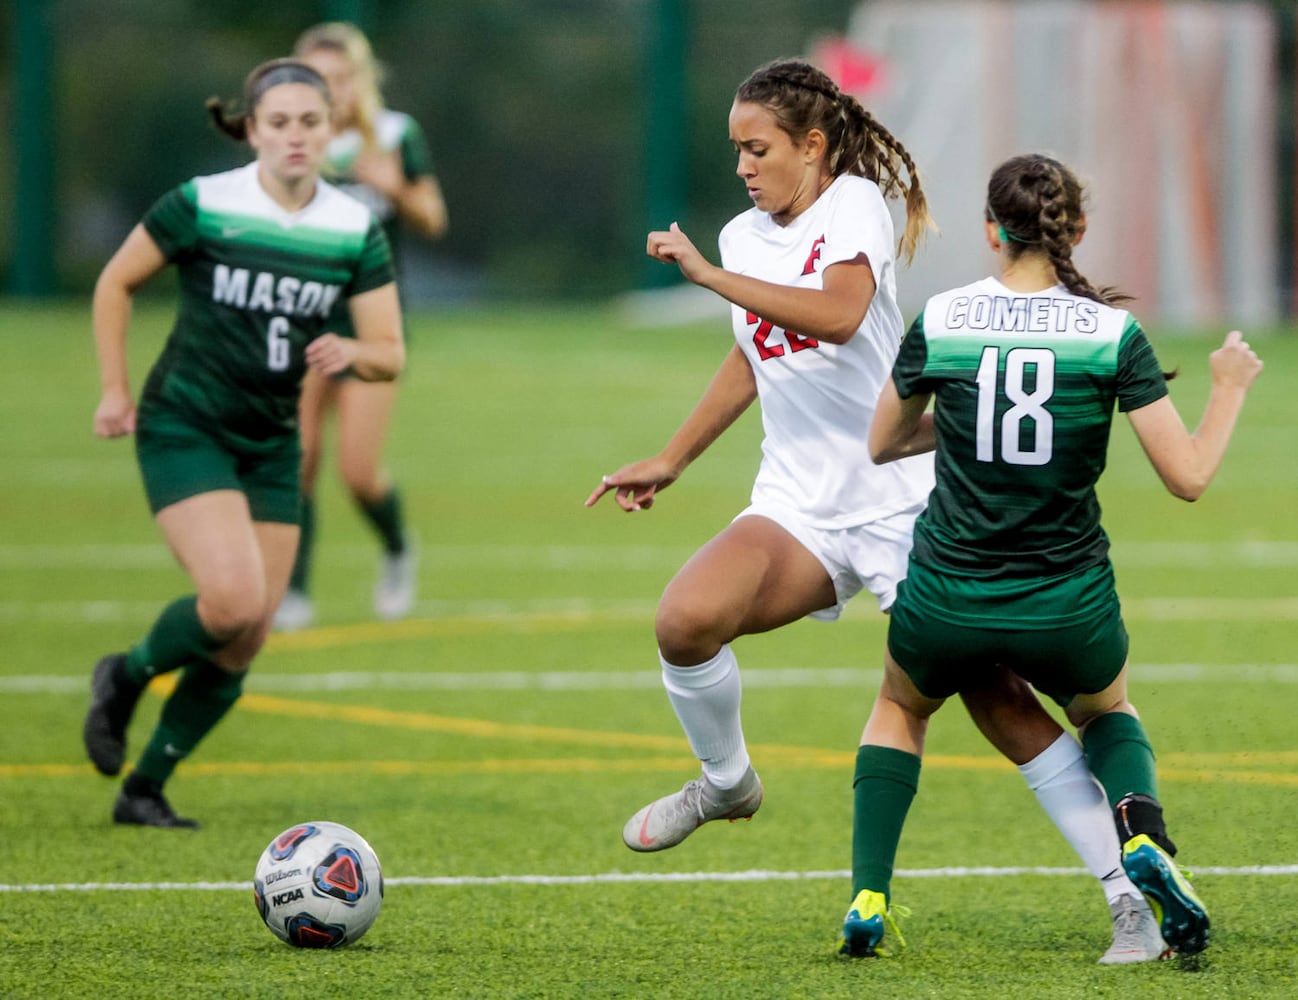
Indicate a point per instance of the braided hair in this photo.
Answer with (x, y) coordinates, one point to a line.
(802, 98)
(1038, 203)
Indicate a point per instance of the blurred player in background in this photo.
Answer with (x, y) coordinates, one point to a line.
(810, 275)
(264, 253)
(1010, 565)
(380, 157)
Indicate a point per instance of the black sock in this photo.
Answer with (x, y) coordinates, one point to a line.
(137, 784)
(1137, 814)
(385, 517)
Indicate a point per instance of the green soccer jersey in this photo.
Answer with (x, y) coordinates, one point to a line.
(1024, 388)
(257, 284)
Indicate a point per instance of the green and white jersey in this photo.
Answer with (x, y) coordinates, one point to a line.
(256, 286)
(1024, 388)
(393, 131)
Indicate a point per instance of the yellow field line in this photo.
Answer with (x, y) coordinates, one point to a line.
(1239, 758)
(772, 754)
(810, 760)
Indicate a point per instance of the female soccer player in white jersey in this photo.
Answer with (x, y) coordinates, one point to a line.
(1010, 566)
(809, 271)
(380, 157)
(264, 253)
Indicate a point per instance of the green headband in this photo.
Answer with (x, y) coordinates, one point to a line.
(1005, 235)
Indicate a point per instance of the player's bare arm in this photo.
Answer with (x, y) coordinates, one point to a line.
(731, 391)
(900, 427)
(378, 352)
(832, 313)
(1186, 462)
(135, 262)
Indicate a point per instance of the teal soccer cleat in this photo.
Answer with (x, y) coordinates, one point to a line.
(867, 921)
(1181, 916)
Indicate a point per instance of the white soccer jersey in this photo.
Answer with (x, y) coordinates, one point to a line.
(394, 131)
(817, 398)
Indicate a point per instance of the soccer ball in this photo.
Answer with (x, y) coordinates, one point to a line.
(318, 885)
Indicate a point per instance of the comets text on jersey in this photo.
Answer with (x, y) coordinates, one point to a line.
(1022, 314)
(285, 294)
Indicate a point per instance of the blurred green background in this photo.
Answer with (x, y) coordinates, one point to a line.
(561, 130)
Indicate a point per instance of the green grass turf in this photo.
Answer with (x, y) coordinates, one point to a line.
(489, 740)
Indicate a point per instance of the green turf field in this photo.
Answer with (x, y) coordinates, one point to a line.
(491, 747)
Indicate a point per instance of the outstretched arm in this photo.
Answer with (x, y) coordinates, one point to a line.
(832, 313)
(730, 393)
(135, 262)
(1187, 462)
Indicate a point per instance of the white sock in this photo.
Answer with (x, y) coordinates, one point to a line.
(706, 700)
(1076, 804)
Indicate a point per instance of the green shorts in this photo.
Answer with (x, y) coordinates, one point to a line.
(944, 652)
(178, 460)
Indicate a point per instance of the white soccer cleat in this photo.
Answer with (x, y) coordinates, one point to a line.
(667, 821)
(394, 591)
(295, 612)
(1136, 937)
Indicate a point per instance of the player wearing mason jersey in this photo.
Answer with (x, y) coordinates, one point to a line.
(810, 275)
(1010, 565)
(380, 157)
(265, 255)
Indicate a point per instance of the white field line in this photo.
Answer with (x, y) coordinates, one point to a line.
(568, 681)
(607, 878)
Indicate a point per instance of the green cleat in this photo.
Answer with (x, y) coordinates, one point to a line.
(1181, 916)
(868, 919)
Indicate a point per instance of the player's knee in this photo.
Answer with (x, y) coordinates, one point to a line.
(688, 631)
(362, 480)
(233, 608)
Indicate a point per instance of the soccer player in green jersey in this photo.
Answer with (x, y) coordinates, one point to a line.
(380, 157)
(264, 254)
(1010, 567)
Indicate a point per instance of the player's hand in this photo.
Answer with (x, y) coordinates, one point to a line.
(635, 486)
(381, 171)
(673, 247)
(330, 354)
(1234, 364)
(115, 415)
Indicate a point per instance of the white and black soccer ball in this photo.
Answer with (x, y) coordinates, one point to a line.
(318, 885)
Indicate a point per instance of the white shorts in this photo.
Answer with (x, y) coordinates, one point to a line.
(869, 556)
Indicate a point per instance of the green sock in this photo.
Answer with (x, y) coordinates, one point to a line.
(883, 789)
(177, 637)
(385, 515)
(301, 578)
(1119, 755)
(201, 698)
